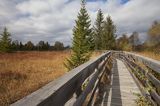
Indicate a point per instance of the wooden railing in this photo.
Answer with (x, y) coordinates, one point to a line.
(146, 72)
(77, 87)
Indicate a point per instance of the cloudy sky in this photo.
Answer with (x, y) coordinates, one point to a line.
(53, 20)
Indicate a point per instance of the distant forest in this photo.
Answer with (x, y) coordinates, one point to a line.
(125, 42)
(7, 45)
(132, 42)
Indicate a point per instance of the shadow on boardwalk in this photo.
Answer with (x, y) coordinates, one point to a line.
(112, 92)
(121, 90)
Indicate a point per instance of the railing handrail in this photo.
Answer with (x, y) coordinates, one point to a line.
(61, 90)
(153, 64)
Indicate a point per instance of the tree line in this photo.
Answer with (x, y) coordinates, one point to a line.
(7, 45)
(133, 43)
(102, 36)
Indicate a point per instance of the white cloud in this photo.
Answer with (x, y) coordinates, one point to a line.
(53, 20)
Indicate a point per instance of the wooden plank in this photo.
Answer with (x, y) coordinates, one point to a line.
(155, 96)
(92, 98)
(121, 91)
(90, 85)
(154, 80)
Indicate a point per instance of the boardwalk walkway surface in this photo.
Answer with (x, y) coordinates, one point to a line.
(122, 88)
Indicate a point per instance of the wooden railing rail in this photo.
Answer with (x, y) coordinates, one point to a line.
(146, 71)
(61, 91)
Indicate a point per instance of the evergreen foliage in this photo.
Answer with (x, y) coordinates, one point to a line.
(98, 30)
(109, 37)
(15, 45)
(7, 45)
(82, 39)
(21, 46)
(5, 41)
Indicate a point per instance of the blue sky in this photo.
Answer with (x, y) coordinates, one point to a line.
(124, 1)
(53, 20)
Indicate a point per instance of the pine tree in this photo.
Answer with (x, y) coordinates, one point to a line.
(21, 47)
(5, 41)
(98, 30)
(82, 39)
(47, 46)
(108, 39)
(15, 45)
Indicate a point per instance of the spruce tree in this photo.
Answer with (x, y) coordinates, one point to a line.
(5, 41)
(21, 46)
(98, 30)
(82, 39)
(108, 40)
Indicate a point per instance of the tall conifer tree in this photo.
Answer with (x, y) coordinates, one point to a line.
(5, 41)
(108, 40)
(82, 39)
(98, 30)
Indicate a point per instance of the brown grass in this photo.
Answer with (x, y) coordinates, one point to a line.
(23, 72)
(149, 54)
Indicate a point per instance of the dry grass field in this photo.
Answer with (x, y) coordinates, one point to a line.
(23, 72)
(150, 54)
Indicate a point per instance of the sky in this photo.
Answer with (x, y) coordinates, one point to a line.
(53, 20)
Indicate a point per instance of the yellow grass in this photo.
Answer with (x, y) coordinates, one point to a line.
(149, 54)
(95, 54)
(23, 72)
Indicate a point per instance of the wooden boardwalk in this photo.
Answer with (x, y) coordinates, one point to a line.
(119, 92)
(122, 88)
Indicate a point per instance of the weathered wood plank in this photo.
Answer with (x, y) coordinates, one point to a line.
(90, 84)
(155, 96)
(122, 88)
(154, 80)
